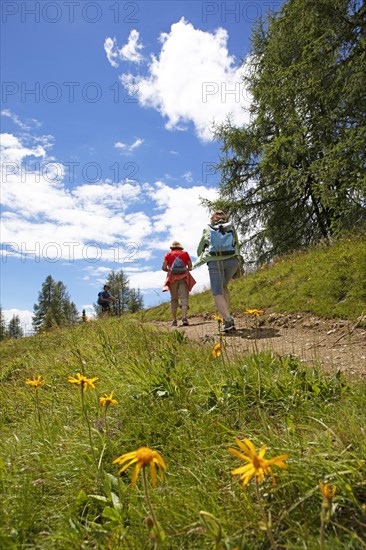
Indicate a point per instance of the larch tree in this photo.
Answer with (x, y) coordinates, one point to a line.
(296, 173)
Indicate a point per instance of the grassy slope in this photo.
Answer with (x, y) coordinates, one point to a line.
(174, 397)
(329, 281)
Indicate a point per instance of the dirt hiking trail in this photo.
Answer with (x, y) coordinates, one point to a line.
(334, 344)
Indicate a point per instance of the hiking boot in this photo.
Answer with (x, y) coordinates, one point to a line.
(174, 324)
(185, 323)
(229, 325)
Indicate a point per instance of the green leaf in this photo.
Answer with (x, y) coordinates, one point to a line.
(116, 502)
(112, 514)
(99, 498)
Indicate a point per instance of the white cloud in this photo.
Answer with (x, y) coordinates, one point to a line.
(188, 177)
(110, 48)
(14, 151)
(136, 144)
(180, 215)
(193, 80)
(23, 125)
(120, 145)
(146, 280)
(105, 222)
(129, 52)
(39, 209)
(127, 149)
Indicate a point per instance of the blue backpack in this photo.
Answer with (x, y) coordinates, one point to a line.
(221, 239)
(178, 267)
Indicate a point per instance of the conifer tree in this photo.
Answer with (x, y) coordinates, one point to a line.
(296, 173)
(14, 328)
(54, 308)
(135, 300)
(127, 299)
(3, 328)
(71, 313)
(119, 288)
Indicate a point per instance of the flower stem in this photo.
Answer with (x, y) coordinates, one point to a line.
(105, 421)
(147, 496)
(39, 414)
(87, 423)
(264, 518)
(322, 526)
(323, 522)
(255, 332)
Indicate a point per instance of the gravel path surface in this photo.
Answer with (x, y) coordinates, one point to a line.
(335, 344)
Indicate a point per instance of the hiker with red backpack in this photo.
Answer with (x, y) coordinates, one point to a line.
(219, 248)
(177, 263)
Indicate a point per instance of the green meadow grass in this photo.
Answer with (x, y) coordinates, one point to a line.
(174, 397)
(60, 490)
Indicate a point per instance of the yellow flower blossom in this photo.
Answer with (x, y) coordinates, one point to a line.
(107, 400)
(257, 466)
(217, 318)
(327, 492)
(35, 383)
(83, 381)
(216, 352)
(142, 458)
(255, 312)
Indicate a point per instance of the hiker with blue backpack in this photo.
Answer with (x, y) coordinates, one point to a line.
(177, 263)
(104, 299)
(219, 248)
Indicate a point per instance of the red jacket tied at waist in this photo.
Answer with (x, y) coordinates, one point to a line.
(171, 278)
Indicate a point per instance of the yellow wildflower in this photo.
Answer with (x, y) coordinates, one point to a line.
(217, 318)
(216, 352)
(83, 381)
(36, 383)
(142, 458)
(327, 492)
(107, 400)
(255, 312)
(257, 465)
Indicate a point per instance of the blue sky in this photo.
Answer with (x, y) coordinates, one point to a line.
(106, 135)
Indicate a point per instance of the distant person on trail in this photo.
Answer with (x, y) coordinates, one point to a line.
(177, 263)
(219, 248)
(104, 299)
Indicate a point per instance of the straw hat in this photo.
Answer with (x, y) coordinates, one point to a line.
(176, 244)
